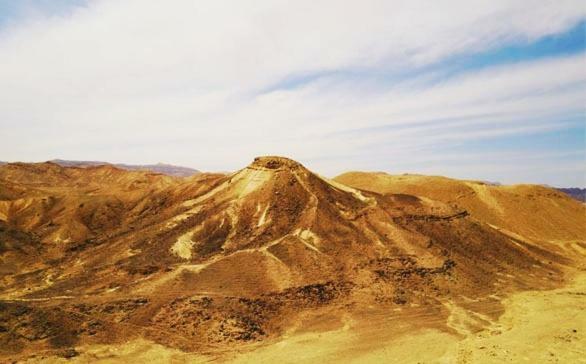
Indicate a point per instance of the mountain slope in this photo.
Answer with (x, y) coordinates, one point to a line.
(533, 211)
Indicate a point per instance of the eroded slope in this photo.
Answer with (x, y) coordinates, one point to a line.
(532, 211)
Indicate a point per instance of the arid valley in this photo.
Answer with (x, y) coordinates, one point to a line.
(274, 263)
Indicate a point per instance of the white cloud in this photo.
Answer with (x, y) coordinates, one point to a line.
(139, 81)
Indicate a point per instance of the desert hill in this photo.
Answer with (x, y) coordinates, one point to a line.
(532, 211)
(60, 203)
(217, 263)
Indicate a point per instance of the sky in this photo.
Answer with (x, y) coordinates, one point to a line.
(486, 90)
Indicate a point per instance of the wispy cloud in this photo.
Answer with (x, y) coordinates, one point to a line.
(340, 86)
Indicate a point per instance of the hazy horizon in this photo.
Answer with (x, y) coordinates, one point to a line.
(491, 91)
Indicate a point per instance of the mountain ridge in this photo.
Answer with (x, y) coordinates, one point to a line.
(534, 211)
(168, 169)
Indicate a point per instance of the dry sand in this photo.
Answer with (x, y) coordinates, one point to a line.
(537, 327)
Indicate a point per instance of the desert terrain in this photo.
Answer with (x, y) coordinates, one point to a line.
(274, 263)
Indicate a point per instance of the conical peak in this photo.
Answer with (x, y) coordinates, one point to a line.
(274, 162)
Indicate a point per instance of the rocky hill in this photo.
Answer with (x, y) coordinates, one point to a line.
(532, 211)
(215, 264)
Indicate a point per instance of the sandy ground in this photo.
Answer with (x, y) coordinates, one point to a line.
(537, 327)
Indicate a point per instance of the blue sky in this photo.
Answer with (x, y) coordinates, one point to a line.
(14, 11)
(493, 90)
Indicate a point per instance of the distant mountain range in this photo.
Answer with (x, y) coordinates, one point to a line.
(163, 168)
(167, 169)
(577, 193)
